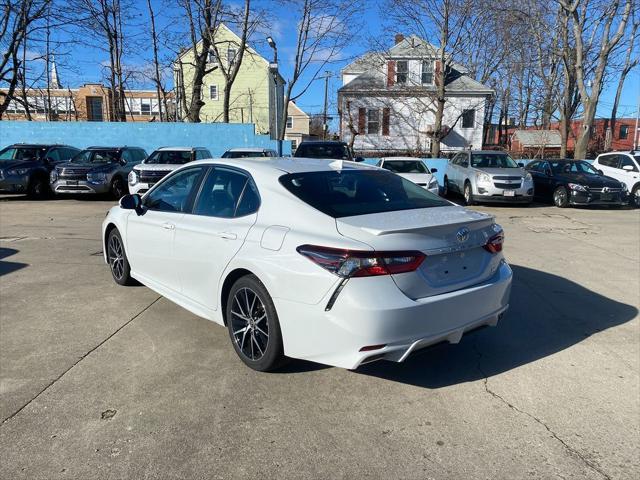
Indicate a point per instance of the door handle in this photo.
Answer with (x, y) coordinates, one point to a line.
(227, 235)
(168, 226)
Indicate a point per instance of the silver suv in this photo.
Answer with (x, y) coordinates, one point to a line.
(488, 176)
(97, 170)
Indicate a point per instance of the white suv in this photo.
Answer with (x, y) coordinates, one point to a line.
(623, 166)
(160, 163)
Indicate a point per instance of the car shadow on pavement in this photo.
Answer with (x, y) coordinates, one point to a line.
(8, 267)
(547, 314)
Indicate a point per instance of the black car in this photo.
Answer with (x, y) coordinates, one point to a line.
(575, 182)
(25, 168)
(326, 150)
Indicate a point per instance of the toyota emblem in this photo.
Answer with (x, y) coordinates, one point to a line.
(463, 234)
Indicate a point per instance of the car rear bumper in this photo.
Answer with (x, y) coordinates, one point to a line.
(374, 312)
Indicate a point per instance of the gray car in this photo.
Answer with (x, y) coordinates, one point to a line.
(488, 176)
(97, 170)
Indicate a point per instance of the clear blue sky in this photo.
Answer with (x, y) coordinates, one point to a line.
(87, 61)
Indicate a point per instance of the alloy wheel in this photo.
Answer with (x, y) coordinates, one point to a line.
(467, 193)
(116, 257)
(249, 324)
(636, 197)
(560, 197)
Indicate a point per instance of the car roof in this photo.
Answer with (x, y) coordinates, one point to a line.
(249, 149)
(322, 142)
(495, 152)
(93, 147)
(179, 149)
(38, 145)
(403, 159)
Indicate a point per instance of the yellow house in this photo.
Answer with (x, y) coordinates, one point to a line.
(253, 93)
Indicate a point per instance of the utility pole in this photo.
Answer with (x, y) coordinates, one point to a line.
(325, 127)
(636, 134)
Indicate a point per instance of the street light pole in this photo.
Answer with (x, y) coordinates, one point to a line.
(273, 68)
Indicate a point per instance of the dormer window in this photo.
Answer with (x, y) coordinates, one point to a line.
(402, 71)
(427, 72)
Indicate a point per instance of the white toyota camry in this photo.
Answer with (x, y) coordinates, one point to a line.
(335, 262)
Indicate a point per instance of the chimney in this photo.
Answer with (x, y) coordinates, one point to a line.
(398, 38)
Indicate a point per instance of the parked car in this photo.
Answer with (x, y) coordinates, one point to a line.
(249, 152)
(575, 182)
(334, 262)
(161, 162)
(97, 170)
(625, 167)
(25, 168)
(488, 176)
(412, 169)
(327, 150)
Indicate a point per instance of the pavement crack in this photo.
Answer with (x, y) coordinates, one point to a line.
(82, 357)
(572, 451)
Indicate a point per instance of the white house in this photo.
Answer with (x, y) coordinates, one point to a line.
(387, 100)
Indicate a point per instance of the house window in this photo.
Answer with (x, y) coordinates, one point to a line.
(468, 118)
(231, 56)
(373, 121)
(402, 71)
(213, 92)
(145, 106)
(427, 72)
(624, 132)
(289, 122)
(294, 145)
(211, 58)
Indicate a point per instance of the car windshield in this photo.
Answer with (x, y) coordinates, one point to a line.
(492, 160)
(573, 167)
(348, 193)
(176, 157)
(337, 151)
(405, 166)
(19, 153)
(244, 154)
(96, 156)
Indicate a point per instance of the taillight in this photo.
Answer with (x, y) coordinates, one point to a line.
(494, 244)
(358, 263)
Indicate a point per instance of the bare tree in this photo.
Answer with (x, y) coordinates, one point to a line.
(597, 26)
(157, 77)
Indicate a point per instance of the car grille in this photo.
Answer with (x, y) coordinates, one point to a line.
(74, 173)
(506, 178)
(507, 186)
(152, 176)
(609, 190)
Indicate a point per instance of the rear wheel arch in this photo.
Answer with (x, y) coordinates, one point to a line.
(231, 278)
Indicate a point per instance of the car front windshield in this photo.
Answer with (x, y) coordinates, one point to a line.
(19, 153)
(244, 154)
(96, 156)
(358, 192)
(405, 166)
(171, 157)
(492, 160)
(324, 150)
(574, 167)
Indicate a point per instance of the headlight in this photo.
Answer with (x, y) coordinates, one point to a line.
(133, 177)
(17, 171)
(528, 177)
(53, 176)
(483, 178)
(623, 186)
(575, 186)
(97, 177)
(433, 183)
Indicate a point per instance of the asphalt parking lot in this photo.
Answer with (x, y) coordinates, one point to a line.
(103, 381)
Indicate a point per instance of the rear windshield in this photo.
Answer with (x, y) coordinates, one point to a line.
(336, 151)
(405, 166)
(169, 157)
(239, 154)
(492, 160)
(348, 193)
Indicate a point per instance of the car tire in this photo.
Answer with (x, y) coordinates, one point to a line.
(561, 197)
(118, 261)
(445, 187)
(38, 187)
(249, 310)
(118, 188)
(634, 201)
(468, 194)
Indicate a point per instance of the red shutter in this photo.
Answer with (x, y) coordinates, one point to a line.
(391, 73)
(362, 112)
(386, 117)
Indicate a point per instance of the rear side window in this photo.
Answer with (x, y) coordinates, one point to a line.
(348, 193)
(626, 161)
(609, 160)
(220, 194)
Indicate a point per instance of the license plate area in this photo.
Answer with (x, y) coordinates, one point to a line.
(450, 268)
(509, 193)
(72, 183)
(606, 197)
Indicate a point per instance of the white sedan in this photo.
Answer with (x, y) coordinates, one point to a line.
(334, 262)
(412, 169)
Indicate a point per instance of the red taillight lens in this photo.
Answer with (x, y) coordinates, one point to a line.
(358, 263)
(494, 244)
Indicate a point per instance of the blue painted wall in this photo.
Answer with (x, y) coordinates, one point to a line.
(217, 137)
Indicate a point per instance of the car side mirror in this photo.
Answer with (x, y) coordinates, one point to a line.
(520, 164)
(600, 172)
(434, 170)
(358, 159)
(132, 202)
(628, 168)
(547, 172)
